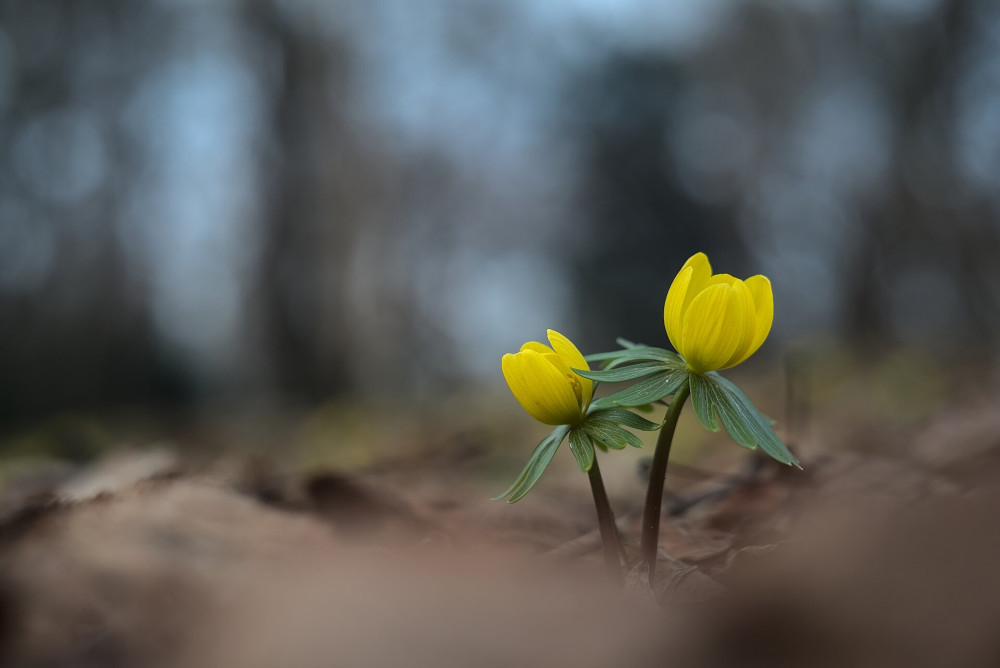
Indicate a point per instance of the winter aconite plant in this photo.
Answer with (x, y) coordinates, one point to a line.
(714, 322)
(543, 380)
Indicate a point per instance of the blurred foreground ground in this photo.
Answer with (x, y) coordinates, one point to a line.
(882, 552)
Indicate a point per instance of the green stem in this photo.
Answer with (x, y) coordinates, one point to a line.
(606, 521)
(657, 474)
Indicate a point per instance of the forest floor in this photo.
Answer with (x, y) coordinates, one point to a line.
(883, 553)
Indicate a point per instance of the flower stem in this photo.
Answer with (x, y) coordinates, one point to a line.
(606, 521)
(657, 474)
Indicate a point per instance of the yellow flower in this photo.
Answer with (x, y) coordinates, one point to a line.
(542, 382)
(716, 321)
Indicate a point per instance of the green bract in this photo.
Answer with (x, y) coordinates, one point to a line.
(714, 398)
(602, 427)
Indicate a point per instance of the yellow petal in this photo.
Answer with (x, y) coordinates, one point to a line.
(700, 263)
(537, 347)
(690, 280)
(714, 325)
(742, 293)
(541, 388)
(763, 299)
(566, 350)
(564, 391)
(573, 358)
(702, 271)
(571, 378)
(673, 307)
(723, 279)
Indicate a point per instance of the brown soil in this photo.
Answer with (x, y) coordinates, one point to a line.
(860, 560)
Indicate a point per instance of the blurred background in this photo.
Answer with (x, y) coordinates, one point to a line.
(259, 260)
(264, 202)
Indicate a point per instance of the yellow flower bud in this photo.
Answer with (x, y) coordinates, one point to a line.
(716, 321)
(541, 379)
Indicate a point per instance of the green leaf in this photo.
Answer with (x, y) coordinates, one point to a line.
(582, 448)
(600, 357)
(703, 401)
(630, 372)
(758, 424)
(627, 418)
(536, 465)
(610, 434)
(632, 439)
(712, 395)
(709, 399)
(601, 404)
(648, 390)
(643, 353)
(605, 438)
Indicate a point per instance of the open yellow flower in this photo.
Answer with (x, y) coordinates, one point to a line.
(541, 379)
(716, 321)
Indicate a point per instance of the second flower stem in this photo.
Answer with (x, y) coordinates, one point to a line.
(606, 521)
(657, 474)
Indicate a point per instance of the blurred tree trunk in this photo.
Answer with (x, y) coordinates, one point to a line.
(315, 192)
(901, 231)
(80, 338)
(640, 221)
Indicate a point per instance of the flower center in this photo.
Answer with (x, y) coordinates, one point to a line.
(577, 386)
